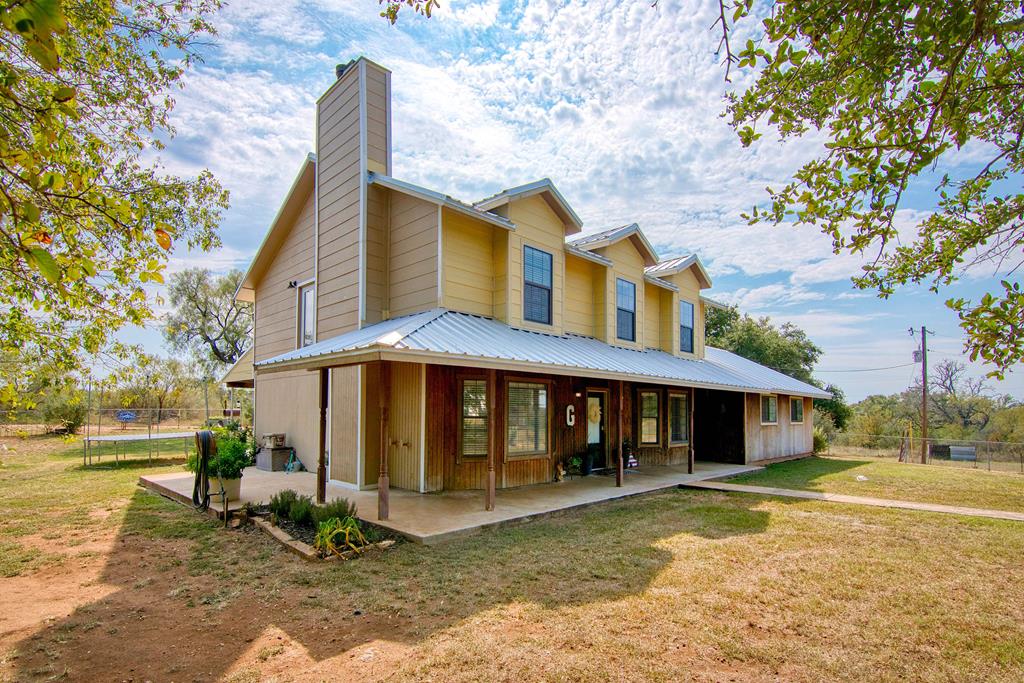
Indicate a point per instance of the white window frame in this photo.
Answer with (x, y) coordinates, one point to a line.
(692, 328)
(308, 285)
(803, 410)
(761, 408)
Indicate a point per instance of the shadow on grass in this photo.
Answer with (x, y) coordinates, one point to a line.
(133, 463)
(178, 578)
(798, 474)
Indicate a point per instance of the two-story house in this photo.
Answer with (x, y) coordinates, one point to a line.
(404, 338)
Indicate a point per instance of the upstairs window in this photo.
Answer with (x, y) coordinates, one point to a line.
(648, 417)
(307, 315)
(769, 410)
(473, 435)
(537, 285)
(686, 326)
(625, 305)
(796, 410)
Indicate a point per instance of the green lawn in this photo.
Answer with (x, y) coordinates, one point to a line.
(894, 480)
(682, 585)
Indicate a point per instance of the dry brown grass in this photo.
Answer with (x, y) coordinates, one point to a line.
(683, 585)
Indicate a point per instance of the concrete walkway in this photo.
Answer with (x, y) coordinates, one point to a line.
(437, 517)
(856, 500)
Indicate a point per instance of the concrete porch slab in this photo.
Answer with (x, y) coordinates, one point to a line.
(437, 517)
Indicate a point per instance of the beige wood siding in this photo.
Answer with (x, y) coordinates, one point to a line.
(289, 403)
(766, 442)
(377, 119)
(499, 297)
(276, 329)
(669, 321)
(652, 315)
(377, 219)
(538, 226)
(628, 264)
(412, 263)
(345, 422)
(339, 188)
(467, 261)
(580, 275)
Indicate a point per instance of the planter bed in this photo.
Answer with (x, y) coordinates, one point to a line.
(299, 540)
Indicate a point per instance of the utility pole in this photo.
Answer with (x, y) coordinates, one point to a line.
(924, 392)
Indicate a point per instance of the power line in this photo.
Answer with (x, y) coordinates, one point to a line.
(890, 367)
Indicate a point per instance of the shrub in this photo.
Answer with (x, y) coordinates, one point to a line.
(232, 457)
(301, 511)
(281, 503)
(339, 507)
(334, 536)
(820, 440)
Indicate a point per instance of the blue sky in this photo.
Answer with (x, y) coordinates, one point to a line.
(618, 103)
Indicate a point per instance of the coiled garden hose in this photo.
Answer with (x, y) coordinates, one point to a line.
(201, 489)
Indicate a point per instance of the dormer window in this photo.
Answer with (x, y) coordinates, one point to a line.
(625, 313)
(686, 326)
(537, 285)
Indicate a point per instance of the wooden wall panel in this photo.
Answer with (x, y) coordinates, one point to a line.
(468, 261)
(345, 420)
(288, 402)
(412, 263)
(579, 294)
(404, 426)
(766, 442)
(538, 226)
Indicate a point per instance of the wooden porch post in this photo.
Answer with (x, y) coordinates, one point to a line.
(321, 465)
(620, 468)
(689, 463)
(492, 437)
(383, 393)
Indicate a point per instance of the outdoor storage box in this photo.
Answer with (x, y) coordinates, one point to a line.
(272, 459)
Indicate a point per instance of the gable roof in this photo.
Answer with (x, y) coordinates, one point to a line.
(679, 264)
(447, 337)
(606, 238)
(240, 374)
(547, 190)
(435, 197)
(301, 188)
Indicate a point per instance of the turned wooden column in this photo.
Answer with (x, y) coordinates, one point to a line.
(689, 464)
(620, 468)
(321, 465)
(383, 395)
(492, 437)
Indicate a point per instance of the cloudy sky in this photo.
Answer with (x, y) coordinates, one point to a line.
(618, 102)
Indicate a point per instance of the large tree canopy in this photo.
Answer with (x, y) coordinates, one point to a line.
(87, 218)
(787, 348)
(899, 87)
(206, 319)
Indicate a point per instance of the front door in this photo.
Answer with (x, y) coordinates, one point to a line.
(597, 441)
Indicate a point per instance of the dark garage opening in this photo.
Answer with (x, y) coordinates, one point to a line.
(718, 426)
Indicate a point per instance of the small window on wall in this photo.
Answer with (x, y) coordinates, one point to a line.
(686, 326)
(307, 314)
(648, 417)
(769, 410)
(678, 418)
(625, 310)
(473, 436)
(537, 285)
(527, 418)
(796, 410)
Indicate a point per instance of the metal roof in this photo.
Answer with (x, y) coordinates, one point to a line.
(440, 336)
(608, 237)
(674, 265)
(557, 202)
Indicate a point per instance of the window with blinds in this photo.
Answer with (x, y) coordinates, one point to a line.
(769, 410)
(527, 418)
(648, 417)
(686, 326)
(537, 267)
(473, 439)
(678, 418)
(625, 310)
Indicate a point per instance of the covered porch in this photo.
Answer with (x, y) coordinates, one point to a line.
(438, 517)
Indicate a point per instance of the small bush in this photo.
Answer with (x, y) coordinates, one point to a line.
(281, 503)
(820, 440)
(335, 536)
(301, 511)
(339, 507)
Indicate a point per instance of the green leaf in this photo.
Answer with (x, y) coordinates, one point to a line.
(44, 263)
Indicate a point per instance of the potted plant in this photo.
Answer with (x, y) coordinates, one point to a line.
(229, 457)
(586, 462)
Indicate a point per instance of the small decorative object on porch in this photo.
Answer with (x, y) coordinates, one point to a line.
(559, 471)
(631, 461)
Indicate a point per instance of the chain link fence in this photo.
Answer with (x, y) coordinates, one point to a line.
(115, 421)
(995, 456)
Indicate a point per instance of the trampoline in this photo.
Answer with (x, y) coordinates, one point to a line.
(121, 439)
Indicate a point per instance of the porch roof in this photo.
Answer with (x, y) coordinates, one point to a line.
(452, 338)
